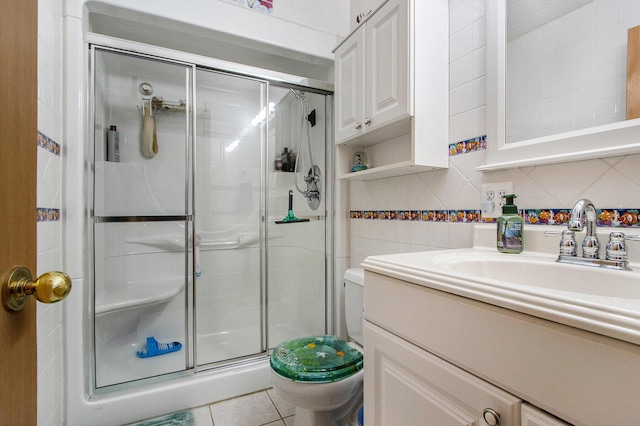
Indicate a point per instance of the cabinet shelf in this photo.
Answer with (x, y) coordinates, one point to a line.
(389, 170)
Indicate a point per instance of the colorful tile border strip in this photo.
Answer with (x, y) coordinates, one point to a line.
(470, 145)
(47, 215)
(621, 218)
(49, 144)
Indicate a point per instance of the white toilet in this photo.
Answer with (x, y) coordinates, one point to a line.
(322, 375)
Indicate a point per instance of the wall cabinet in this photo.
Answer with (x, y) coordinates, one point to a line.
(372, 72)
(392, 91)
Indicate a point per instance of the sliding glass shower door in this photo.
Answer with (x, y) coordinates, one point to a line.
(230, 121)
(142, 217)
(193, 266)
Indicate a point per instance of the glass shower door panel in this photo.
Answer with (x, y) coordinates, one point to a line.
(230, 117)
(142, 216)
(141, 284)
(144, 104)
(297, 251)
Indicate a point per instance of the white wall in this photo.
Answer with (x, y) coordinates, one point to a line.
(49, 317)
(543, 187)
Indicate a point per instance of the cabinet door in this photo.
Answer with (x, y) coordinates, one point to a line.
(406, 385)
(349, 101)
(387, 65)
(532, 416)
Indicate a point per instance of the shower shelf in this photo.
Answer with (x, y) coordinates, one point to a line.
(138, 294)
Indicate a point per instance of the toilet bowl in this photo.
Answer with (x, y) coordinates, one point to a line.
(322, 375)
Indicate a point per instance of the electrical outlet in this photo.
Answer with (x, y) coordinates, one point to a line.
(492, 198)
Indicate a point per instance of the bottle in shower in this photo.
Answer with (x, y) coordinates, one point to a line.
(285, 159)
(113, 145)
(292, 161)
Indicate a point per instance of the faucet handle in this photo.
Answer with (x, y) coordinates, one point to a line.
(617, 247)
(567, 242)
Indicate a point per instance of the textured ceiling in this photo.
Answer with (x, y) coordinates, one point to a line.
(527, 15)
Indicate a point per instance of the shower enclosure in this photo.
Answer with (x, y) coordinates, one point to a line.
(193, 268)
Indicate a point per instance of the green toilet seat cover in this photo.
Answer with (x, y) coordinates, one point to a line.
(316, 359)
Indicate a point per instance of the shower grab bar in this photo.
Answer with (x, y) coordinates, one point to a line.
(112, 219)
(176, 243)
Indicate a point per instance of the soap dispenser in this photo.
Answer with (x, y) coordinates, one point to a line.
(510, 227)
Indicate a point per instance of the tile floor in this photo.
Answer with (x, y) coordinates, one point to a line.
(264, 408)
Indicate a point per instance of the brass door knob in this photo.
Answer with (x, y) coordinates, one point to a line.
(49, 287)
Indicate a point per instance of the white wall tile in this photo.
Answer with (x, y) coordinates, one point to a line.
(49, 184)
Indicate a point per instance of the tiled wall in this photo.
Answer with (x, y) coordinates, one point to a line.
(570, 73)
(612, 183)
(49, 227)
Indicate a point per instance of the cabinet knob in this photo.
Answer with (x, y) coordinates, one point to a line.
(358, 126)
(491, 417)
(367, 121)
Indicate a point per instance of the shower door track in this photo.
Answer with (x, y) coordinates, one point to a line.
(273, 77)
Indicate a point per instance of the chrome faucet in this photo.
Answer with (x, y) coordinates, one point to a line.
(583, 216)
(584, 212)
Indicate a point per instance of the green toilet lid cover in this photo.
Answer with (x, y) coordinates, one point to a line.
(316, 359)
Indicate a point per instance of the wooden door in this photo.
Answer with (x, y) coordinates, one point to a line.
(18, 129)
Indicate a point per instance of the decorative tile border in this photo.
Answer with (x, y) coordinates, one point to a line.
(49, 144)
(265, 6)
(461, 216)
(47, 215)
(621, 218)
(470, 145)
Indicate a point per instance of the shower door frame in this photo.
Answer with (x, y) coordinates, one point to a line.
(270, 78)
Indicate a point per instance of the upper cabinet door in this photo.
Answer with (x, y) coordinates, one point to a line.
(387, 65)
(350, 75)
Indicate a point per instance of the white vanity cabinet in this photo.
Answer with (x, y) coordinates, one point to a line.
(392, 91)
(406, 385)
(436, 358)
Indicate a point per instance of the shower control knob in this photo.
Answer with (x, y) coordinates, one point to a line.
(358, 126)
(367, 121)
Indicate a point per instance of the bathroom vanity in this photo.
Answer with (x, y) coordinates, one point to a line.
(447, 341)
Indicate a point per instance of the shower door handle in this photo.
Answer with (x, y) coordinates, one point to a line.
(49, 287)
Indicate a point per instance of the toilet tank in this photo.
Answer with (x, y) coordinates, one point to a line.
(354, 303)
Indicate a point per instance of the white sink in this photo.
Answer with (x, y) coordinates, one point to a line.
(541, 272)
(596, 299)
